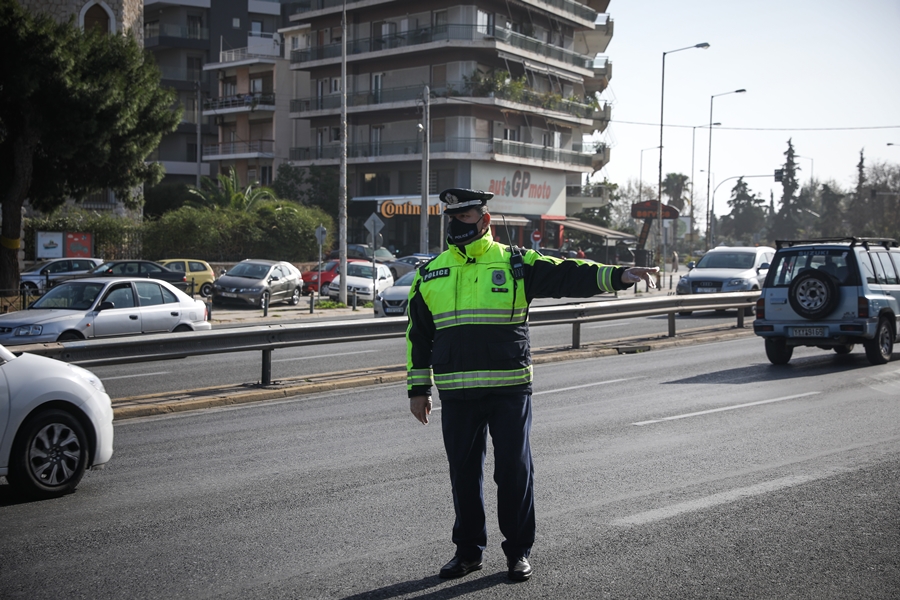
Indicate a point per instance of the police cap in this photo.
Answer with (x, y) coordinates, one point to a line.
(459, 200)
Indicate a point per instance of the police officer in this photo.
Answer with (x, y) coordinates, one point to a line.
(468, 335)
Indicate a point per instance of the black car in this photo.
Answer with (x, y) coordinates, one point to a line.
(138, 268)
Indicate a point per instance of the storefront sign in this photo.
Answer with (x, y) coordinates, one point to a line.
(389, 209)
(530, 191)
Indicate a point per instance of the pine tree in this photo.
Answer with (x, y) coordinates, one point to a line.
(787, 219)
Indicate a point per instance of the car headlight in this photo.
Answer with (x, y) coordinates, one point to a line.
(365, 290)
(87, 376)
(29, 330)
(252, 290)
(314, 278)
(683, 283)
(737, 282)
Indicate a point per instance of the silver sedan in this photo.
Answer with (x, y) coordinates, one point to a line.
(103, 307)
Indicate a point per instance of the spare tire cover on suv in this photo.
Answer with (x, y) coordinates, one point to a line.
(813, 294)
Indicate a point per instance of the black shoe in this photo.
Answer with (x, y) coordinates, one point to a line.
(459, 567)
(519, 568)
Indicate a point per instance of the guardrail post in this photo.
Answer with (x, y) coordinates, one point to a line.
(266, 367)
(740, 323)
(671, 324)
(576, 335)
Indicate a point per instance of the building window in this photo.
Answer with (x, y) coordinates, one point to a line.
(335, 134)
(195, 27)
(194, 68)
(375, 184)
(96, 19)
(191, 152)
(265, 174)
(229, 88)
(236, 23)
(375, 140)
(336, 35)
(335, 85)
(295, 42)
(484, 22)
(256, 27)
(511, 135)
(256, 85)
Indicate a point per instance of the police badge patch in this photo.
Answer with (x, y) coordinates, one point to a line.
(498, 277)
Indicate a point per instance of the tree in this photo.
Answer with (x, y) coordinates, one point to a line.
(316, 186)
(79, 112)
(226, 192)
(832, 214)
(787, 219)
(747, 215)
(673, 187)
(858, 214)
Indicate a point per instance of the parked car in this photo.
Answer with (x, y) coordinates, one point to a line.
(34, 279)
(364, 252)
(257, 282)
(359, 281)
(404, 265)
(831, 294)
(393, 301)
(198, 275)
(313, 280)
(57, 423)
(137, 268)
(102, 307)
(727, 269)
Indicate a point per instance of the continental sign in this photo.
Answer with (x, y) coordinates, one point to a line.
(389, 209)
(648, 210)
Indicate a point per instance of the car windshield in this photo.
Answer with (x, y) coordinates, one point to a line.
(406, 279)
(727, 260)
(384, 253)
(359, 270)
(249, 270)
(37, 267)
(103, 268)
(71, 295)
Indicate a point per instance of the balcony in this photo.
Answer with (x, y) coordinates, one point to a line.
(568, 7)
(240, 103)
(167, 35)
(602, 68)
(236, 150)
(426, 35)
(446, 90)
(184, 74)
(411, 150)
(261, 47)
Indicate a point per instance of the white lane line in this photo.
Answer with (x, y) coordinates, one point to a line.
(325, 355)
(135, 375)
(667, 512)
(578, 387)
(616, 324)
(724, 408)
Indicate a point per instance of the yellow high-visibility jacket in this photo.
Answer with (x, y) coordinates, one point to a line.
(468, 328)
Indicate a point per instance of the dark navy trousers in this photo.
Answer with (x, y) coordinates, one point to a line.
(465, 425)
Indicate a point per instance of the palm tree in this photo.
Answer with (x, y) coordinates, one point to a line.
(226, 192)
(673, 187)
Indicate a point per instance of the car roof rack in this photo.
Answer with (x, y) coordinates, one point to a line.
(854, 241)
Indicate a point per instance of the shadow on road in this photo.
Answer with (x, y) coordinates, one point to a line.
(452, 589)
(810, 366)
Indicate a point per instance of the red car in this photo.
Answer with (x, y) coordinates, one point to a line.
(311, 281)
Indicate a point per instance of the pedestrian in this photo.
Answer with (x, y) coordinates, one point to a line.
(674, 261)
(579, 253)
(468, 335)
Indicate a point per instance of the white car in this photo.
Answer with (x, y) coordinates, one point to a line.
(103, 307)
(34, 279)
(56, 421)
(360, 281)
(393, 301)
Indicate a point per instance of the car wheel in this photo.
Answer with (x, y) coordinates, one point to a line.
(295, 297)
(28, 288)
(813, 295)
(880, 348)
(778, 352)
(181, 329)
(69, 336)
(206, 290)
(49, 455)
(844, 349)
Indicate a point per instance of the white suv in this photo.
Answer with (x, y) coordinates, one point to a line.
(831, 294)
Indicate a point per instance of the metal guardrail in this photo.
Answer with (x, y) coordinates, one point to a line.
(266, 338)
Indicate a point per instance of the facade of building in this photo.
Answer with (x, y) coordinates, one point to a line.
(512, 97)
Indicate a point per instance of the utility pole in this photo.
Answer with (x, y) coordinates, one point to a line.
(342, 183)
(423, 213)
(199, 138)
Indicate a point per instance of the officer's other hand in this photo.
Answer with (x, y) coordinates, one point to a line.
(637, 274)
(420, 407)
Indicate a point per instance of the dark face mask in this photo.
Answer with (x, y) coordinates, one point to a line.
(461, 233)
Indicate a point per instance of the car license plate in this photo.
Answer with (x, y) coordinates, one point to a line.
(808, 332)
(229, 295)
(393, 309)
(709, 290)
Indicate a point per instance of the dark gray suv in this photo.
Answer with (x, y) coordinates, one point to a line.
(831, 294)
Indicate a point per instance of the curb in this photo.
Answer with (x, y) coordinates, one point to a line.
(211, 397)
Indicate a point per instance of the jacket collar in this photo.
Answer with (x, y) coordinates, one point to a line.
(476, 248)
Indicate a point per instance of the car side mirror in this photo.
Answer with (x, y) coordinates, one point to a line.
(691, 265)
(763, 267)
(106, 305)
(274, 278)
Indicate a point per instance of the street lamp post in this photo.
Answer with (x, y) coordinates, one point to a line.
(662, 96)
(693, 141)
(710, 211)
(641, 177)
(423, 215)
(811, 165)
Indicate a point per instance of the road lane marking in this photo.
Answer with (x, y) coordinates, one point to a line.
(578, 387)
(643, 518)
(325, 355)
(135, 375)
(724, 408)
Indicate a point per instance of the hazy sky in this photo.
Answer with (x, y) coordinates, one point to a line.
(822, 72)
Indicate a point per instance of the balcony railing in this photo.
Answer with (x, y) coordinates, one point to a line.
(184, 74)
(568, 6)
(445, 90)
(234, 148)
(250, 101)
(155, 30)
(457, 145)
(425, 35)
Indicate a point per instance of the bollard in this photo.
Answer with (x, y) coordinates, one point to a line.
(312, 303)
(670, 282)
(354, 299)
(209, 311)
(264, 300)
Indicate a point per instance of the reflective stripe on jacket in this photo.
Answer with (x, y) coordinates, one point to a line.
(468, 315)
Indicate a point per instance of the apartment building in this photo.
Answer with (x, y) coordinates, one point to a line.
(513, 94)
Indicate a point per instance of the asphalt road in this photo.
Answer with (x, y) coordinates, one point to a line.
(700, 472)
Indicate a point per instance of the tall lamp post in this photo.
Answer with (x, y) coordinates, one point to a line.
(426, 140)
(641, 177)
(812, 164)
(662, 96)
(710, 210)
(693, 140)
